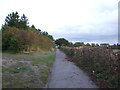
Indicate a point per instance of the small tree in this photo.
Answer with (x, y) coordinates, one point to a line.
(71, 44)
(23, 22)
(61, 41)
(97, 44)
(15, 44)
(14, 20)
(45, 33)
(39, 31)
(77, 44)
(87, 44)
(6, 41)
(51, 37)
(93, 44)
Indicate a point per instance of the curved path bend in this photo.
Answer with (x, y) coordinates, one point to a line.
(66, 74)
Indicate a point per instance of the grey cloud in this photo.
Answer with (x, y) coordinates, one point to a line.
(89, 38)
(101, 32)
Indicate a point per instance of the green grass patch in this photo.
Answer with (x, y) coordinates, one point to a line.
(18, 69)
(44, 74)
(47, 56)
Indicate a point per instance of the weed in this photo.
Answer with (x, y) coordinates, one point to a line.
(18, 69)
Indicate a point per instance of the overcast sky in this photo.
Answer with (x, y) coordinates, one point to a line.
(92, 21)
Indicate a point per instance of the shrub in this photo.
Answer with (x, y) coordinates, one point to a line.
(10, 40)
(16, 44)
(104, 62)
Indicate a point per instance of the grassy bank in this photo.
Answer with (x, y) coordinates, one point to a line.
(100, 63)
(26, 70)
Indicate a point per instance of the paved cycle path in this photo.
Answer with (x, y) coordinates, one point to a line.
(66, 74)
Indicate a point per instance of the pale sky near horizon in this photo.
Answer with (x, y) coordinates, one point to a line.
(92, 21)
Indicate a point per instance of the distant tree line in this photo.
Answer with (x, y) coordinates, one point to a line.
(63, 42)
(115, 46)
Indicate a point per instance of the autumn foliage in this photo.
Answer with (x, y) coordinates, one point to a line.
(17, 40)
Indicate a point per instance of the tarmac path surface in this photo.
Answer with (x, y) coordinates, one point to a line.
(66, 74)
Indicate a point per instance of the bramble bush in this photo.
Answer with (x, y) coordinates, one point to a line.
(101, 62)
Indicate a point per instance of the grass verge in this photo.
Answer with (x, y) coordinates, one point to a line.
(26, 70)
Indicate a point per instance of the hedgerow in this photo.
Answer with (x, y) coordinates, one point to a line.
(101, 62)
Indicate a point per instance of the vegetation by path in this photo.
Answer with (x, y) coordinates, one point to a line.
(102, 64)
(18, 36)
(26, 70)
